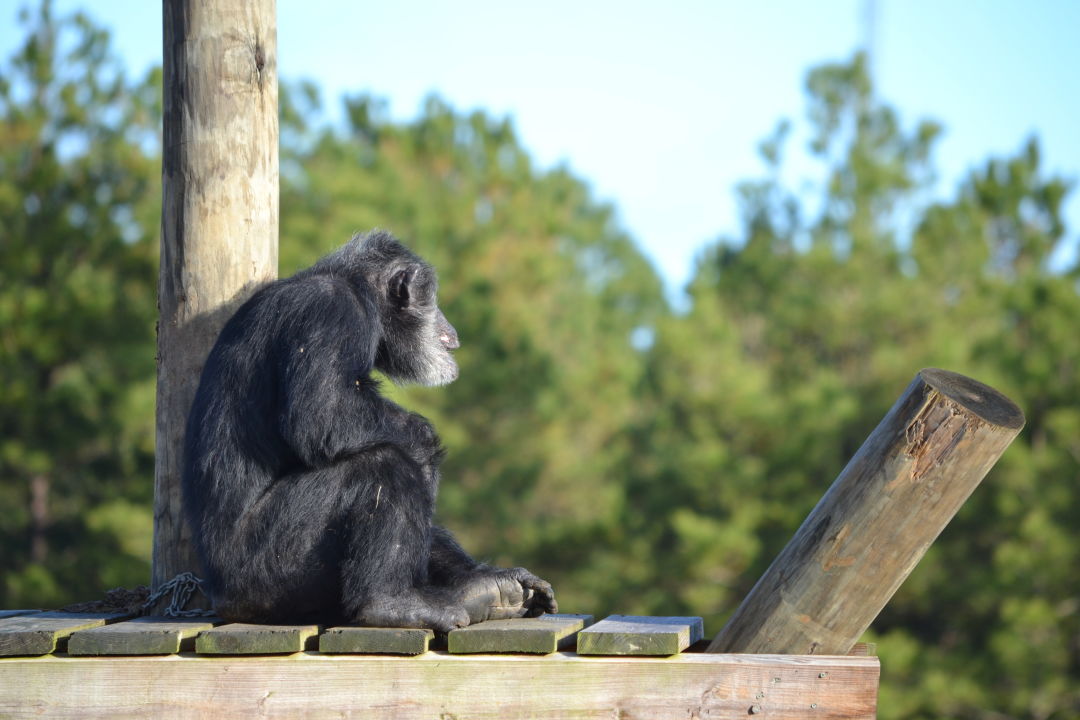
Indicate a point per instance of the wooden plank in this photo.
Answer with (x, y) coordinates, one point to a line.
(544, 634)
(246, 639)
(141, 636)
(640, 635)
(438, 684)
(15, 613)
(876, 521)
(45, 632)
(395, 641)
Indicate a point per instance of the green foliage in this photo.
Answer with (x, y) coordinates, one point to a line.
(78, 214)
(807, 327)
(644, 461)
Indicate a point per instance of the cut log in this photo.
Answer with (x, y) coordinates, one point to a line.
(877, 520)
(219, 216)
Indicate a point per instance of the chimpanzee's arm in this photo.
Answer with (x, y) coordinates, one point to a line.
(449, 561)
(328, 405)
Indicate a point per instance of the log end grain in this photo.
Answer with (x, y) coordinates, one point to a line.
(982, 400)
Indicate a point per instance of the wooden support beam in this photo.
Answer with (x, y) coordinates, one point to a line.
(877, 520)
(640, 635)
(440, 685)
(219, 216)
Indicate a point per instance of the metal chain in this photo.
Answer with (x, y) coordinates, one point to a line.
(181, 587)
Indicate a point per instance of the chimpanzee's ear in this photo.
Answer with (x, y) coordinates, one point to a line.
(398, 289)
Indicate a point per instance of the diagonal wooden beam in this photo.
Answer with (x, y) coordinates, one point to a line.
(877, 520)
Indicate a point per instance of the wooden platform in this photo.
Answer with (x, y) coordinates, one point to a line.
(300, 681)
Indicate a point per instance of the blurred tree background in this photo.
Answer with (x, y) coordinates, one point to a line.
(643, 460)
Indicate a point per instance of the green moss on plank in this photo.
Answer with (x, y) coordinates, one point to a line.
(141, 636)
(245, 639)
(545, 634)
(640, 635)
(43, 633)
(370, 640)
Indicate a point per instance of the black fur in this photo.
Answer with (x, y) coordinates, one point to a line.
(309, 494)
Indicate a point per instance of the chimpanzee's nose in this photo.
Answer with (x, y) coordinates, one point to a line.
(447, 333)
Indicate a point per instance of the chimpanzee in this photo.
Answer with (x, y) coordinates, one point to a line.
(310, 495)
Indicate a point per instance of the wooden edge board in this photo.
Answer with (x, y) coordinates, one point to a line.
(544, 634)
(14, 613)
(395, 641)
(45, 632)
(640, 635)
(437, 684)
(141, 636)
(248, 639)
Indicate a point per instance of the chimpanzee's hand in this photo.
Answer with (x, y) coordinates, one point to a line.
(539, 595)
(499, 594)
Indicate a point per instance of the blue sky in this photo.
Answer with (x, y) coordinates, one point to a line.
(660, 105)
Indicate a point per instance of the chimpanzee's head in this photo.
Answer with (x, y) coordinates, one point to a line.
(416, 337)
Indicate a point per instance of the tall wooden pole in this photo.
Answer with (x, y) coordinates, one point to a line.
(877, 520)
(219, 216)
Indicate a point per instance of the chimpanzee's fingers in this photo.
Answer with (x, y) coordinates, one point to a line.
(543, 596)
(539, 597)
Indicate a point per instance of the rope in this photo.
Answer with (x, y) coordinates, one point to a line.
(181, 589)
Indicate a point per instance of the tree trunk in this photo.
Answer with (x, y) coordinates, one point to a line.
(877, 520)
(219, 219)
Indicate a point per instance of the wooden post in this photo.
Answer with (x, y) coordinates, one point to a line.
(219, 216)
(877, 520)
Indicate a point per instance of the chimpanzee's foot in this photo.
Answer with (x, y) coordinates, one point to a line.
(498, 594)
(412, 609)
